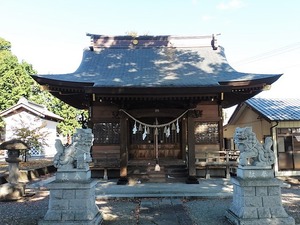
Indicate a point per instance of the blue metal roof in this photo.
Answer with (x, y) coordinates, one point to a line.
(277, 109)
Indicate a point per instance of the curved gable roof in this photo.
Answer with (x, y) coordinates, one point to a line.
(154, 62)
(165, 64)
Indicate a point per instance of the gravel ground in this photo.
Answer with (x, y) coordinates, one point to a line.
(204, 211)
(291, 201)
(26, 211)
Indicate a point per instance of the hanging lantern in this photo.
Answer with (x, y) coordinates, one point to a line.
(156, 131)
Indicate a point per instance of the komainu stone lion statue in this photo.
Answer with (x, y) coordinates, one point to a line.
(253, 153)
(77, 155)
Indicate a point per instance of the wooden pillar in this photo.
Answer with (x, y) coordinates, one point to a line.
(221, 136)
(123, 150)
(184, 143)
(191, 149)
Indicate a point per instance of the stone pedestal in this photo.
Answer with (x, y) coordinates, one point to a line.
(11, 192)
(72, 194)
(72, 199)
(257, 198)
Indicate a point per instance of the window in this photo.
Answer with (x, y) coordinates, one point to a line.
(206, 132)
(288, 148)
(288, 139)
(106, 133)
(285, 144)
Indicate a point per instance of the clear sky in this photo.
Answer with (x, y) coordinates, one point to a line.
(260, 36)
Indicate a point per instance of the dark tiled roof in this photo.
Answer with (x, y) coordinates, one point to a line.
(277, 109)
(154, 62)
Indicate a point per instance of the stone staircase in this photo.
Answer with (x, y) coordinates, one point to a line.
(168, 172)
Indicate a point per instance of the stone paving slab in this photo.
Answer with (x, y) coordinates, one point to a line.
(206, 188)
(163, 211)
(118, 212)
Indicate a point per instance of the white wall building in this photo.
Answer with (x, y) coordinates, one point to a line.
(32, 115)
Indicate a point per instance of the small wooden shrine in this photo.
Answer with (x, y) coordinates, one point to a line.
(154, 99)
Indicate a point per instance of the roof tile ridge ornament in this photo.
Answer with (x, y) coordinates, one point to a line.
(214, 43)
(152, 41)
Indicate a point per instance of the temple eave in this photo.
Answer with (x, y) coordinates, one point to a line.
(228, 95)
(265, 80)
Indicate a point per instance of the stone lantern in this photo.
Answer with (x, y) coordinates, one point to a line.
(13, 190)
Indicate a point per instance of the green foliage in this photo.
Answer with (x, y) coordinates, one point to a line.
(69, 113)
(16, 81)
(4, 45)
(34, 136)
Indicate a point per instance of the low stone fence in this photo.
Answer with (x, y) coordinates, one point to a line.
(30, 174)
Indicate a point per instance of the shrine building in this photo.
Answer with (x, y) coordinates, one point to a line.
(154, 101)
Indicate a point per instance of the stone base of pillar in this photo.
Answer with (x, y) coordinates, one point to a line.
(257, 198)
(261, 221)
(122, 181)
(72, 203)
(192, 180)
(11, 192)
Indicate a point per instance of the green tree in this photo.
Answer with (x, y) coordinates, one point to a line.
(16, 81)
(69, 113)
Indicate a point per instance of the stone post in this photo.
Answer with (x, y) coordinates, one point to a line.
(72, 194)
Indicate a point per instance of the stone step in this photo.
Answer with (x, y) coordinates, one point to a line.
(167, 173)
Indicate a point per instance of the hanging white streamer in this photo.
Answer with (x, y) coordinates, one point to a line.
(134, 130)
(165, 130)
(173, 126)
(156, 125)
(147, 126)
(145, 133)
(168, 132)
(140, 127)
(177, 126)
